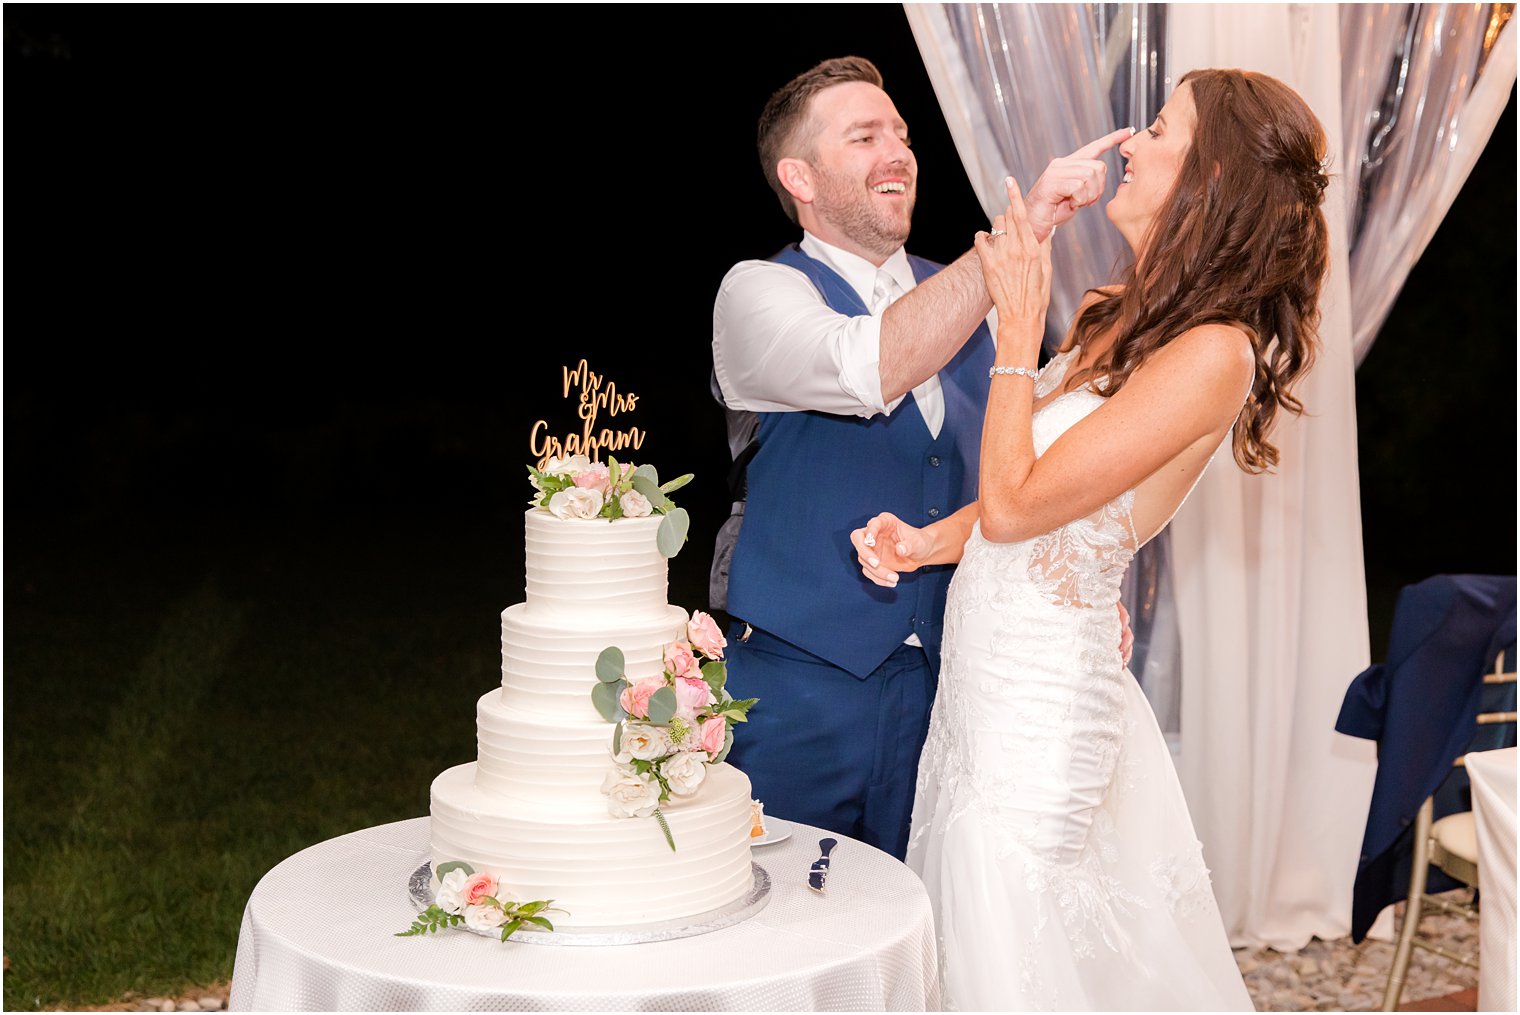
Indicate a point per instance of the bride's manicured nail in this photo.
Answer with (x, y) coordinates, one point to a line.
(873, 561)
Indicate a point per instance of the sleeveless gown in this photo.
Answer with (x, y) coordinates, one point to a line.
(1048, 824)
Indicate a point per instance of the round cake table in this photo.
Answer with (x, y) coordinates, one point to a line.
(318, 932)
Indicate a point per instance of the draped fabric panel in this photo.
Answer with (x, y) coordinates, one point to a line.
(1423, 86)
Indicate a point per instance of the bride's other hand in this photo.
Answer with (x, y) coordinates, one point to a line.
(1016, 265)
(1071, 183)
(888, 546)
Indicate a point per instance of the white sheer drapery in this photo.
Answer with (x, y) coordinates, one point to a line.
(1271, 591)
(1269, 573)
(1422, 86)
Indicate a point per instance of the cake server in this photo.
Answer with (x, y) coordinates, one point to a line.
(820, 872)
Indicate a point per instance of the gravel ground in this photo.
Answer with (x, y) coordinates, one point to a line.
(1340, 976)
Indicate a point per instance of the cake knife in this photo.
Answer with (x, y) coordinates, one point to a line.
(820, 872)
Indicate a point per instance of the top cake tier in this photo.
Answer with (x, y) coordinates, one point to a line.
(583, 569)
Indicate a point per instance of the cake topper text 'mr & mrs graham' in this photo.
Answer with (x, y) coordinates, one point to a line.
(595, 393)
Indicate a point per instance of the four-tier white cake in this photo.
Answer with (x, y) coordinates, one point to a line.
(530, 810)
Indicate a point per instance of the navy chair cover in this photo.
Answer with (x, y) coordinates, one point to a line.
(1421, 707)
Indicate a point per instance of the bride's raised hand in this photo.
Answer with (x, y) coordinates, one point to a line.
(888, 546)
(1015, 265)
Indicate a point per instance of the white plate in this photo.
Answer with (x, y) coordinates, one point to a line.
(776, 831)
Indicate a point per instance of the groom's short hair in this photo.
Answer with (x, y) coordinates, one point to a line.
(784, 131)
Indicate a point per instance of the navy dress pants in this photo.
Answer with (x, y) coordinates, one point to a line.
(827, 748)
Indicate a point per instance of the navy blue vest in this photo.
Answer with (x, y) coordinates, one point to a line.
(817, 476)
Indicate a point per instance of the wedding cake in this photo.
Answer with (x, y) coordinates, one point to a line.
(544, 813)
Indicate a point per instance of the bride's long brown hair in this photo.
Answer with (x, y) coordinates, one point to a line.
(1241, 240)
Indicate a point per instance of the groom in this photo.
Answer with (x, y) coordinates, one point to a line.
(868, 369)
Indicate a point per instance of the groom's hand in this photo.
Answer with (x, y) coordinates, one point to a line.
(1070, 183)
(1126, 636)
(888, 546)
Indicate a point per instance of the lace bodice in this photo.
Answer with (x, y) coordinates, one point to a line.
(1082, 563)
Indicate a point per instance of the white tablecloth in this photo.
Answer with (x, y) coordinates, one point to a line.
(1492, 774)
(317, 935)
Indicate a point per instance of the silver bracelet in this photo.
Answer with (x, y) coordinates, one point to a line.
(1033, 375)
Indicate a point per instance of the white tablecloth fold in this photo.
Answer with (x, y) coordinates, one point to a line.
(1492, 775)
(318, 935)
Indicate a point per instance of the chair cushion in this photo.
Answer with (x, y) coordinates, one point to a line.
(1458, 835)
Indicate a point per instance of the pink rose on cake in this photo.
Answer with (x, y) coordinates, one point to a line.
(705, 636)
(692, 693)
(629, 794)
(679, 661)
(635, 697)
(635, 505)
(477, 887)
(684, 773)
(713, 731)
(594, 477)
(576, 502)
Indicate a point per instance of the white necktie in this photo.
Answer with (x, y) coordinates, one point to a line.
(887, 290)
(931, 402)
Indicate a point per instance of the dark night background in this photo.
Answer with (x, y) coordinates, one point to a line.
(286, 288)
(289, 278)
(284, 271)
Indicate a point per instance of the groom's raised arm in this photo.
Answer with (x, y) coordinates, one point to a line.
(924, 330)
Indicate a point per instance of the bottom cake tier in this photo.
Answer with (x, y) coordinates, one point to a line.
(601, 871)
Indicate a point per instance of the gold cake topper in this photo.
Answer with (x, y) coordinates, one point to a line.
(596, 393)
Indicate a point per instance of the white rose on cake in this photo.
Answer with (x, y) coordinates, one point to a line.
(451, 891)
(567, 466)
(484, 917)
(644, 742)
(629, 794)
(635, 505)
(685, 772)
(576, 502)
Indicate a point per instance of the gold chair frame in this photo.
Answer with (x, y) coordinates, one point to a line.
(1430, 852)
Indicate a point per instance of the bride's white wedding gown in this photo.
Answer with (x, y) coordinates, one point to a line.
(1049, 825)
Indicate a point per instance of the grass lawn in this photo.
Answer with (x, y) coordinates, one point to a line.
(181, 716)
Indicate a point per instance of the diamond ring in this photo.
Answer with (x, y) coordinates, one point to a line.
(997, 232)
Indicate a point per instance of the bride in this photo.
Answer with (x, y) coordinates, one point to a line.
(1049, 825)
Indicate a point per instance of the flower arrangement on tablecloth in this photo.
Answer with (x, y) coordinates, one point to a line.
(577, 487)
(478, 902)
(670, 727)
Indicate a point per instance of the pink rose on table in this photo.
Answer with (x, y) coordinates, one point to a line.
(705, 636)
(595, 477)
(691, 694)
(635, 697)
(713, 731)
(679, 662)
(477, 888)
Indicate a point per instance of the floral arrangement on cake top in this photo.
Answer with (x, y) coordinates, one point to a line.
(577, 487)
(478, 902)
(670, 727)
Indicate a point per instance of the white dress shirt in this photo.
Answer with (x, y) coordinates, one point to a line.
(777, 347)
